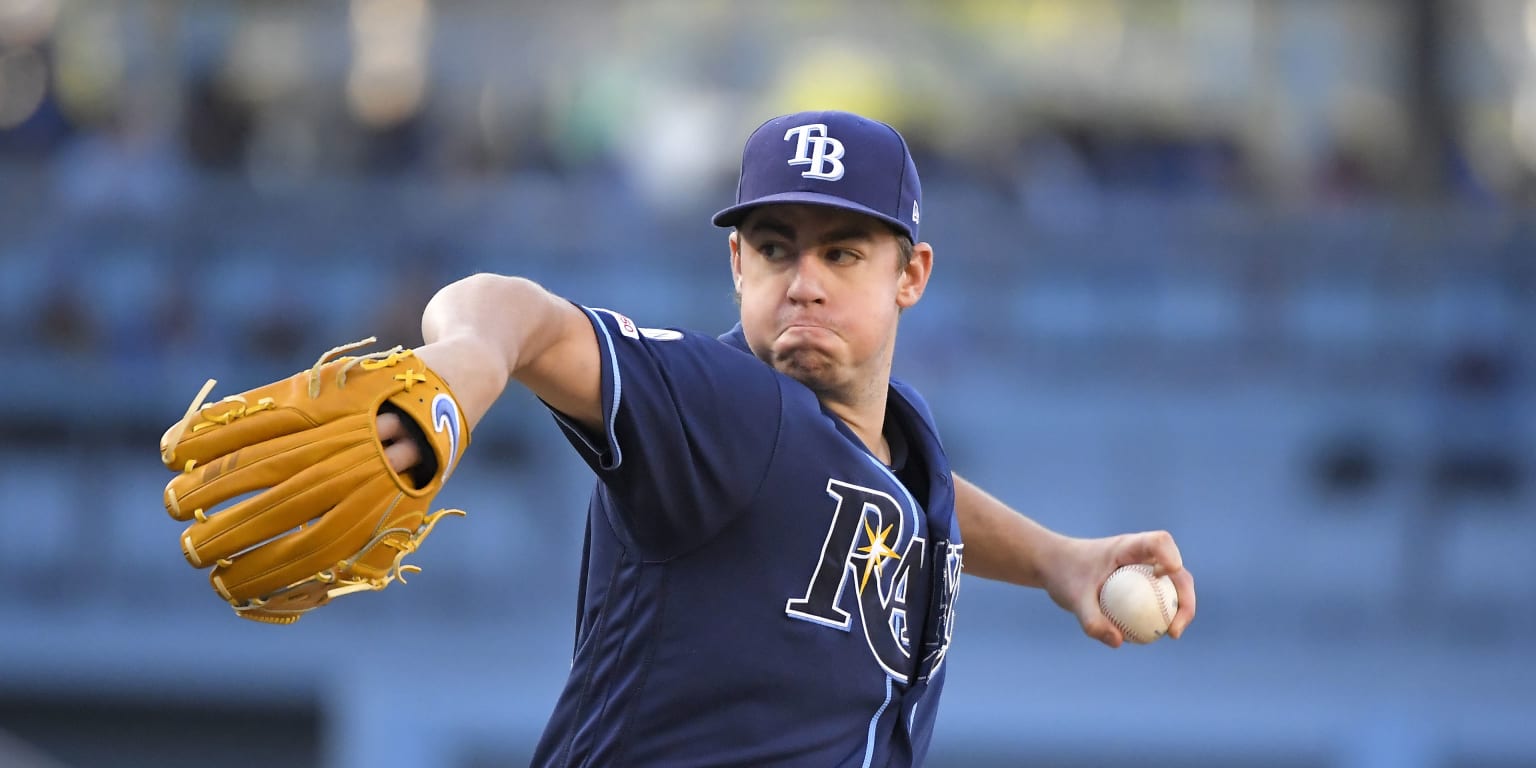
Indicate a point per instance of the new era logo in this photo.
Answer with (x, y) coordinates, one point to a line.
(814, 148)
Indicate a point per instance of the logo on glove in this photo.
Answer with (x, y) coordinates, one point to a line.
(445, 418)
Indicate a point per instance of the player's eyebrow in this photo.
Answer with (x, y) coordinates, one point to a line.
(844, 234)
(773, 226)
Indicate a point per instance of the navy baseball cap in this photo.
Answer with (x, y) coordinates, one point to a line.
(837, 159)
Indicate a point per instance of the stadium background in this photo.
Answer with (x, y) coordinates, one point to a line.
(1261, 272)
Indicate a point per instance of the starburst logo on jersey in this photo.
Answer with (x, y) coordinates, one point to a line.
(875, 552)
(873, 545)
(814, 148)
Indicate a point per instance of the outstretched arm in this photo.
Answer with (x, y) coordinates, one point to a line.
(1004, 545)
(1001, 544)
(485, 330)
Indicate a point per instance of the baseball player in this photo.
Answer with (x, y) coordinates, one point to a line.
(776, 538)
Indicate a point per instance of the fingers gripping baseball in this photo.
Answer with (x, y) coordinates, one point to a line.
(1090, 614)
(1074, 585)
(1095, 624)
(1158, 549)
(1093, 560)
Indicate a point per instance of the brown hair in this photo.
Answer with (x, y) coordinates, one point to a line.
(903, 251)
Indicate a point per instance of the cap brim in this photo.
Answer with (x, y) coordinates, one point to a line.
(733, 215)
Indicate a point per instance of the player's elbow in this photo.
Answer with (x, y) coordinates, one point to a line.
(476, 304)
(489, 288)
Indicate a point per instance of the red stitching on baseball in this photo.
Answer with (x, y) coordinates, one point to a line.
(1124, 630)
(1162, 605)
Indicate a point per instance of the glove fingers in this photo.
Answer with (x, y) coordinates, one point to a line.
(258, 466)
(301, 401)
(305, 496)
(333, 539)
(310, 508)
(255, 415)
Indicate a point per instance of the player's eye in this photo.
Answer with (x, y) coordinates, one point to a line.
(842, 256)
(772, 251)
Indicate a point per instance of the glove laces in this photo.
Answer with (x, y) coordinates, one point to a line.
(240, 408)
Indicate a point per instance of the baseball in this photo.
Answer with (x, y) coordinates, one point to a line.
(1140, 606)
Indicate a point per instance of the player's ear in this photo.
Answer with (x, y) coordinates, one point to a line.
(914, 277)
(735, 242)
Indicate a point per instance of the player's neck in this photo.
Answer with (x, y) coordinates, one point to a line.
(864, 414)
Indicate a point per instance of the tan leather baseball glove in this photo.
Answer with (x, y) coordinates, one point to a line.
(322, 513)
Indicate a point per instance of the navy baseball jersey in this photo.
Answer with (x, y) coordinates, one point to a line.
(757, 589)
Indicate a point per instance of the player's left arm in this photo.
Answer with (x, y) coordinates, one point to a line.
(1004, 545)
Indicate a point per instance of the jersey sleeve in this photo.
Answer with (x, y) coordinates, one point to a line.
(690, 425)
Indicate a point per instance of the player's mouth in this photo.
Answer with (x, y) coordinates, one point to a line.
(806, 326)
(808, 335)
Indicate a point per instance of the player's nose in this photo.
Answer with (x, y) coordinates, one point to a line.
(806, 283)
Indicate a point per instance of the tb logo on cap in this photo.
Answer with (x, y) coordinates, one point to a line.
(818, 150)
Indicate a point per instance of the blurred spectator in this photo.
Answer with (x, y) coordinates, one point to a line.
(393, 149)
(43, 128)
(282, 334)
(1349, 463)
(63, 321)
(398, 310)
(1347, 176)
(1056, 186)
(125, 165)
(216, 124)
(1477, 444)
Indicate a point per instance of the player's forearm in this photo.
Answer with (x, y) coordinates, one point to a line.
(1000, 543)
(480, 330)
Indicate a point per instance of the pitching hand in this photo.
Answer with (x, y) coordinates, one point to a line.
(1083, 565)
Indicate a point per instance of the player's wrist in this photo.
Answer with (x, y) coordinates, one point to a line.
(473, 369)
(1058, 562)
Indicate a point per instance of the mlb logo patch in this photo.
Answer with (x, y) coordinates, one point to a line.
(626, 325)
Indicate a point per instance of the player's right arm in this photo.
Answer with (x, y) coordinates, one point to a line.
(485, 330)
(1003, 544)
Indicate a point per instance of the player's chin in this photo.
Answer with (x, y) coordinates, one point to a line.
(812, 368)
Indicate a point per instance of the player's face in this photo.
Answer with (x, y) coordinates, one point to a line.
(821, 289)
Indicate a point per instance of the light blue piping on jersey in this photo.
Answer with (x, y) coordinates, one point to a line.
(618, 388)
(869, 744)
(916, 523)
